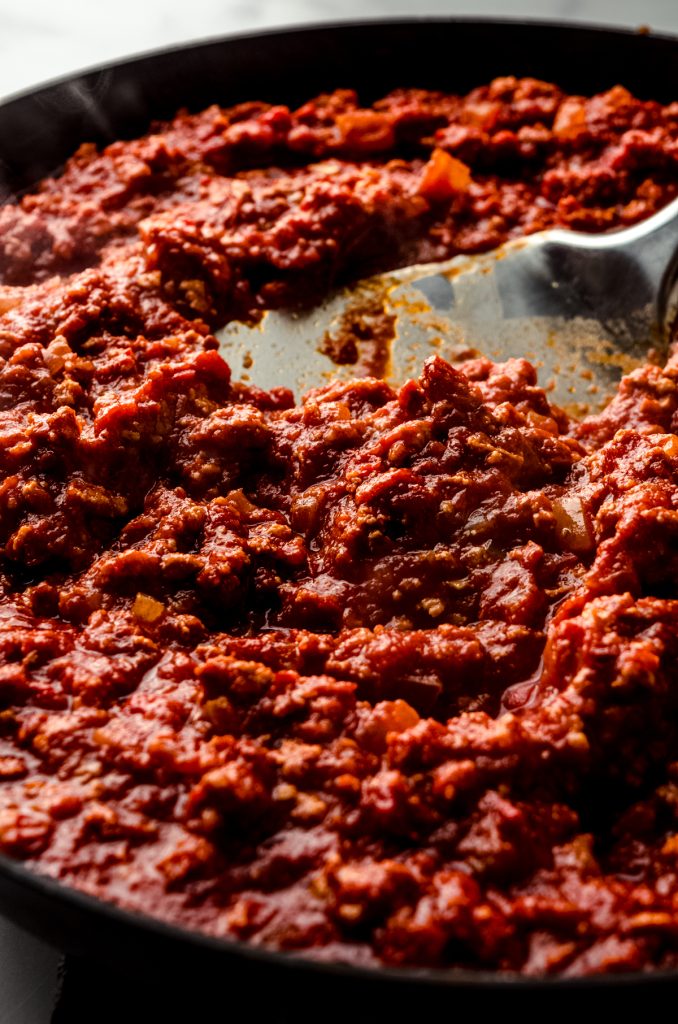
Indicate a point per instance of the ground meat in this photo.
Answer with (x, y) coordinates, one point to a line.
(382, 675)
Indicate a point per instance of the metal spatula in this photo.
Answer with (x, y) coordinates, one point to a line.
(583, 308)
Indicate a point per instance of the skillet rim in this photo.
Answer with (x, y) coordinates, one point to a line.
(176, 936)
(310, 27)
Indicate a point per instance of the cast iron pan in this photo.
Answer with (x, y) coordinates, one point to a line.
(38, 131)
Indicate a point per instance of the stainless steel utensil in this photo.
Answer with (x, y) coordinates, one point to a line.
(583, 308)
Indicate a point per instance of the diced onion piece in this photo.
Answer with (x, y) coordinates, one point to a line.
(56, 354)
(434, 606)
(574, 531)
(444, 177)
(146, 608)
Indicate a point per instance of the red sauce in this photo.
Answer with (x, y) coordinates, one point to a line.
(385, 676)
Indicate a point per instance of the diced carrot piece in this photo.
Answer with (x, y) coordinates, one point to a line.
(444, 177)
(570, 120)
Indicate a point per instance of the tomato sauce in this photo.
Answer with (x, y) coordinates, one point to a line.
(380, 675)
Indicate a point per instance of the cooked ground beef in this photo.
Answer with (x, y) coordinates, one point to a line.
(386, 676)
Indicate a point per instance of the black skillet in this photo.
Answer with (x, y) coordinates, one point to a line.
(38, 131)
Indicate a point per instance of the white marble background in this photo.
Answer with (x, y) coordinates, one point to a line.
(40, 39)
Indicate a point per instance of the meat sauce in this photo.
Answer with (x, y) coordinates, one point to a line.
(385, 676)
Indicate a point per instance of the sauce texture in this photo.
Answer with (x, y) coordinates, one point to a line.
(385, 676)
